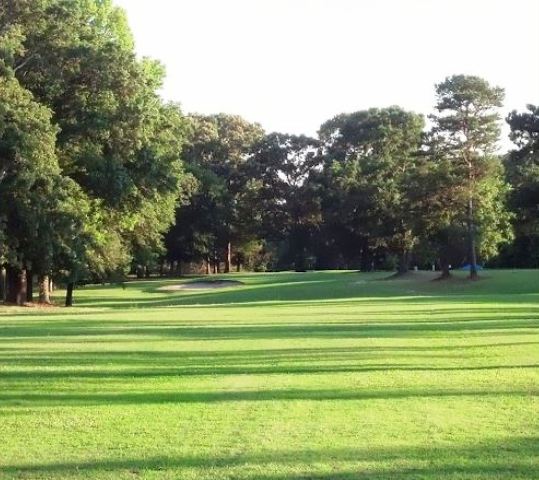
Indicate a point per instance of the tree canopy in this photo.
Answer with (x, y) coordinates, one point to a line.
(99, 177)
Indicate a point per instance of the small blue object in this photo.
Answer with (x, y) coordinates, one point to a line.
(468, 267)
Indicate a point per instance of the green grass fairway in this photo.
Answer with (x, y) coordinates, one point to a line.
(328, 375)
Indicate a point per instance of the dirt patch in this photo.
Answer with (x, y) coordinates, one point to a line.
(40, 306)
(202, 285)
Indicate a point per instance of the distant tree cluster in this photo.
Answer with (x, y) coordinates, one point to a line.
(99, 177)
(376, 189)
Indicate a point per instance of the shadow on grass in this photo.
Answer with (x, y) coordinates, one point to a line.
(133, 374)
(507, 458)
(309, 289)
(249, 331)
(140, 398)
(133, 364)
(246, 298)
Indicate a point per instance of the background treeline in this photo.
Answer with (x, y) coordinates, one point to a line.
(377, 189)
(99, 177)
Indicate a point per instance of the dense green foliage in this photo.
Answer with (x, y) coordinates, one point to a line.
(463, 142)
(370, 158)
(327, 375)
(374, 190)
(100, 178)
(317, 375)
(89, 153)
(216, 153)
(522, 166)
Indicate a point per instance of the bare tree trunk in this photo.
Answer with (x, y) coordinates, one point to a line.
(69, 294)
(207, 265)
(29, 286)
(215, 262)
(44, 293)
(15, 285)
(228, 257)
(2, 284)
(364, 262)
(238, 266)
(444, 267)
(300, 261)
(471, 241)
(404, 262)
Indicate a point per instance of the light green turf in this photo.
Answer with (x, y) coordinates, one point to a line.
(330, 375)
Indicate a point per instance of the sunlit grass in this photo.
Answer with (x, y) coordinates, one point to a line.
(330, 375)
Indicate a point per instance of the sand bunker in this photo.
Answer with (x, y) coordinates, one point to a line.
(414, 275)
(202, 285)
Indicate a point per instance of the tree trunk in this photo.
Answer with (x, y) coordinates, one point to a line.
(69, 294)
(228, 257)
(444, 267)
(471, 241)
(140, 271)
(147, 273)
(299, 262)
(15, 285)
(2, 284)
(238, 266)
(51, 285)
(208, 266)
(364, 262)
(29, 286)
(404, 263)
(44, 293)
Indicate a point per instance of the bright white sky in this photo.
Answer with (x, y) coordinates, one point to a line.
(292, 64)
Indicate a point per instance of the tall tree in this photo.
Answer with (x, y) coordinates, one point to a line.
(464, 142)
(34, 196)
(286, 200)
(216, 153)
(116, 139)
(370, 156)
(522, 168)
(27, 162)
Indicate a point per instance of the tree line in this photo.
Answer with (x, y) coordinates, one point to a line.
(382, 188)
(100, 177)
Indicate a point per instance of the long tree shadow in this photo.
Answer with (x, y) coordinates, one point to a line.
(286, 289)
(85, 399)
(97, 358)
(249, 331)
(133, 374)
(506, 458)
(133, 364)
